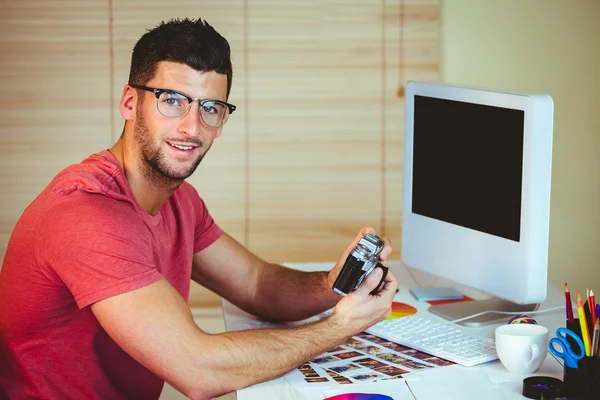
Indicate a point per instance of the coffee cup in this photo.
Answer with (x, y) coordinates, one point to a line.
(522, 348)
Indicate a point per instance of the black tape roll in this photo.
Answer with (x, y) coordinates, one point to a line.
(535, 386)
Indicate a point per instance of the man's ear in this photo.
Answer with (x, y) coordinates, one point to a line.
(127, 106)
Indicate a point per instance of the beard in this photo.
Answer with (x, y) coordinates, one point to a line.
(154, 163)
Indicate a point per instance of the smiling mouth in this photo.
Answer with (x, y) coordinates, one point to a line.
(182, 147)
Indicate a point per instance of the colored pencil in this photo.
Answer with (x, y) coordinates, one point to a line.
(592, 304)
(569, 305)
(595, 340)
(585, 334)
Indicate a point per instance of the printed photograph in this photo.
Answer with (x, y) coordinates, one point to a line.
(370, 363)
(339, 348)
(392, 357)
(414, 365)
(369, 337)
(419, 355)
(323, 360)
(343, 368)
(333, 374)
(310, 374)
(313, 380)
(363, 377)
(378, 340)
(395, 346)
(391, 370)
(370, 349)
(305, 367)
(353, 342)
(393, 377)
(348, 354)
(438, 361)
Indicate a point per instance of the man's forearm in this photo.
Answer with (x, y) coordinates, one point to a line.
(234, 360)
(285, 294)
(154, 326)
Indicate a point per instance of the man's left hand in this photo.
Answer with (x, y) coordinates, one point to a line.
(385, 252)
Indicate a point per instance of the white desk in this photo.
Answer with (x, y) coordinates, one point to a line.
(504, 382)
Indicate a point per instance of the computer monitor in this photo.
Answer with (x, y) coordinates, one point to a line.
(477, 166)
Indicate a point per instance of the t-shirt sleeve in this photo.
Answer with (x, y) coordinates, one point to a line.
(95, 247)
(206, 230)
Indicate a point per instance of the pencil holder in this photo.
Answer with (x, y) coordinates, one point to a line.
(583, 383)
(576, 328)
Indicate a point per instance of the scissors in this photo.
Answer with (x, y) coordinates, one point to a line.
(567, 354)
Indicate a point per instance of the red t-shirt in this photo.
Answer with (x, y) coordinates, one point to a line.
(84, 239)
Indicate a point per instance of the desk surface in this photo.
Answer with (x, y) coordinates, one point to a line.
(505, 385)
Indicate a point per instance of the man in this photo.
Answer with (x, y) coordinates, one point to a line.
(97, 272)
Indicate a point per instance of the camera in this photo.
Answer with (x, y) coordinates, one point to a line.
(361, 261)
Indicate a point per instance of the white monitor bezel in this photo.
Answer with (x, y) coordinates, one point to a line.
(514, 271)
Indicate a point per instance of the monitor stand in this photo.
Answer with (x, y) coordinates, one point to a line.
(463, 309)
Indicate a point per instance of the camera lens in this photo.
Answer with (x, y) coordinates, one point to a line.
(361, 252)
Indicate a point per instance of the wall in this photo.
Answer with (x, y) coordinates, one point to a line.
(548, 47)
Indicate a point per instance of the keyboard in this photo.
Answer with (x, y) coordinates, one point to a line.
(445, 340)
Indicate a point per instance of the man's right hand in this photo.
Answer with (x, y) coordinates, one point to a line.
(359, 310)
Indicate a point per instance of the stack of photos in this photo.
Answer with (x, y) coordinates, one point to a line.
(363, 358)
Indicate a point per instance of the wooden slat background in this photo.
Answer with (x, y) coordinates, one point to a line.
(314, 150)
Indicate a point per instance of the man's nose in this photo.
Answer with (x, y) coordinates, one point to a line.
(190, 122)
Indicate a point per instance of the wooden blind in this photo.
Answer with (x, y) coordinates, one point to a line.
(314, 150)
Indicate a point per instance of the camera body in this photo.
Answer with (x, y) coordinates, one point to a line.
(361, 261)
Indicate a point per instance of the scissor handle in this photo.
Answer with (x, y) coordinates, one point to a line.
(567, 351)
(560, 344)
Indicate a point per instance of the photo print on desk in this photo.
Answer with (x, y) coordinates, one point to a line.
(363, 358)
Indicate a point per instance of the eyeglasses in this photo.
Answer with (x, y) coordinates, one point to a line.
(173, 104)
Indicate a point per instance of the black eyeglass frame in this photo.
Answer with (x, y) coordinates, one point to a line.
(157, 92)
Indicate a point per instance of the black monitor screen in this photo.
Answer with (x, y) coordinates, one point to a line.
(468, 165)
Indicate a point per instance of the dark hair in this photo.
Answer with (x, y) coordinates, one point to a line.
(192, 42)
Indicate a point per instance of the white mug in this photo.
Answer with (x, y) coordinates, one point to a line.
(522, 348)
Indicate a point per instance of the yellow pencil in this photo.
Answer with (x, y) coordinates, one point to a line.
(585, 334)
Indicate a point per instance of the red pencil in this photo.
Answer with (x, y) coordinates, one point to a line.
(592, 304)
(569, 304)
